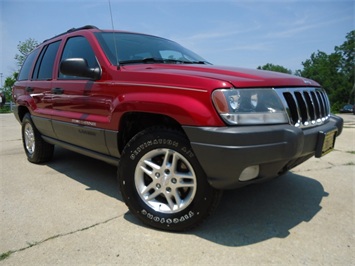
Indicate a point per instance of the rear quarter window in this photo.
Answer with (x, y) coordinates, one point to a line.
(27, 65)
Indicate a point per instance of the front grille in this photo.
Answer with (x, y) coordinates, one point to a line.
(306, 107)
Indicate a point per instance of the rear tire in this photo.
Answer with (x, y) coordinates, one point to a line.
(162, 182)
(36, 149)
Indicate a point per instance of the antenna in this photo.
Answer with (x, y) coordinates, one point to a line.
(113, 33)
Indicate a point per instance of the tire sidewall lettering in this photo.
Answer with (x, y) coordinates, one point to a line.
(139, 146)
(157, 142)
(179, 219)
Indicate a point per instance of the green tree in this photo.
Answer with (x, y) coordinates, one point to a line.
(7, 89)
(347, 63)
(25, 48)
(335, 72)
(275, 68)
(324, 69)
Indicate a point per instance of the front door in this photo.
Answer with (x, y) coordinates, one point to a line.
(80, 109)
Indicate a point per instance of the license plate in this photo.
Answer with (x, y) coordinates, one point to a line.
(326, 141)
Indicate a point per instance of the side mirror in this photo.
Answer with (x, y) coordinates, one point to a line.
(79, 67)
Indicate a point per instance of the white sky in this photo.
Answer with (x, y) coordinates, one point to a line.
(233, 33)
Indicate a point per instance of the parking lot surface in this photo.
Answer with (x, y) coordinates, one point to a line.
(69, 212)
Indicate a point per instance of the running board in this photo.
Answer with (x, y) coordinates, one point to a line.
(96, 155)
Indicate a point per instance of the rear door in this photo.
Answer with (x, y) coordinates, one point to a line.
(38, 87)
(41, 84)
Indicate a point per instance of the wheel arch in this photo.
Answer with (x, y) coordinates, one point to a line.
(132, 123)
(22, 111)
(147, 193)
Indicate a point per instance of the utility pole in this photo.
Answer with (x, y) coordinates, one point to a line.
(1, 80)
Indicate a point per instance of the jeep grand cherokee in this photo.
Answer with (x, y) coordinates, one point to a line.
(179, 129)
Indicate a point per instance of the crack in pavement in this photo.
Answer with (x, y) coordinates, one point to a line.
(331, 165)
(7, 254)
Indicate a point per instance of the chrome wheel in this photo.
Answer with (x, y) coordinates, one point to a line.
(162, 182)
(165, 180)
(37, 150)
(29, 136)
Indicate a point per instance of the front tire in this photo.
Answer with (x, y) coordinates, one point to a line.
(162, 182)
(36, 149)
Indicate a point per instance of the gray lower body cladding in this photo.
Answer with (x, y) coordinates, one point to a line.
(225, 152)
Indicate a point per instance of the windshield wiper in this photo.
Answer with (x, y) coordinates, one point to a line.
(184, 61)
(200, 62)
(176, 61)
(144, 60)
(149, 60)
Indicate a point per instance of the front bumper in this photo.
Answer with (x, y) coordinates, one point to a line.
(224, 153)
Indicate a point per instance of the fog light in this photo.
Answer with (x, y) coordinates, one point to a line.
(249, 173)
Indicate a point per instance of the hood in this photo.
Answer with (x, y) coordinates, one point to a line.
(238, 77)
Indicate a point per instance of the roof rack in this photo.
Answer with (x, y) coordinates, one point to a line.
(86, 27)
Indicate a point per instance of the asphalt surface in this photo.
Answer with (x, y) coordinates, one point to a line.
(69, 212)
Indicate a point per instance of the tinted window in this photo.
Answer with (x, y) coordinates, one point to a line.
(27, 65)
(79, 47)
(45, 62)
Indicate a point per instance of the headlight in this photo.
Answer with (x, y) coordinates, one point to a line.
(249, 106)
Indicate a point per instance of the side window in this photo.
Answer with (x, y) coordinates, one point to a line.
(27, 65)
(78, 47)
(44, 66)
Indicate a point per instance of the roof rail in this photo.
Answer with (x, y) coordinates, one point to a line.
(86, 27)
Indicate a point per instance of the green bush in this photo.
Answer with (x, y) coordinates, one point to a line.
(5, 109)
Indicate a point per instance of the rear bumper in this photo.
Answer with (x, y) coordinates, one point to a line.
(224, 153)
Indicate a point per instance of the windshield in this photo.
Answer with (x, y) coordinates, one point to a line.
(131, 48)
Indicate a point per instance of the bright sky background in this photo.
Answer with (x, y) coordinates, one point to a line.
(234, 33)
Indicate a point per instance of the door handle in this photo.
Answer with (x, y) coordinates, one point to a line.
(29, 89)
(57, 91)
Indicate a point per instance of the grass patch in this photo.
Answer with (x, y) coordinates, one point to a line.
(5, 110)
(5, 255)
(351, 152)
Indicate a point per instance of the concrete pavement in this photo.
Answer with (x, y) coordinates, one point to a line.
(69, 212)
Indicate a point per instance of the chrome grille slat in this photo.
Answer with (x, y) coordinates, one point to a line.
(316, 105)
(306, 107)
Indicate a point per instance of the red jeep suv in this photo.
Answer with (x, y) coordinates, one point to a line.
(179, 129)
